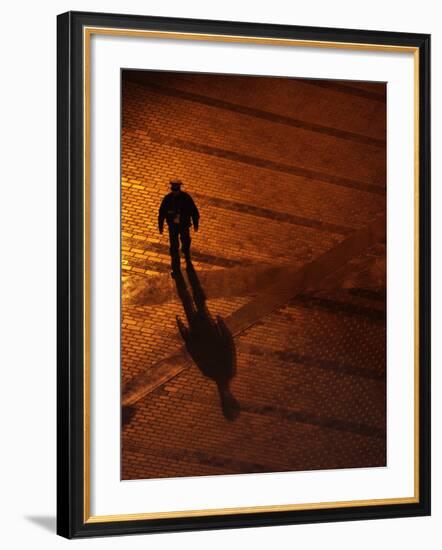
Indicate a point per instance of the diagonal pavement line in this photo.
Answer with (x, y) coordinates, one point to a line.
(221, 283)
(148, 381)
(235, 281)
(286, 285)
(308, 277)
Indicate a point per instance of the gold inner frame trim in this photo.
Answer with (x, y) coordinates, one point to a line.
(416, 274)
(87, 33)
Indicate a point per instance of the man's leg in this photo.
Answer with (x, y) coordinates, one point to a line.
(174, 248)
(185, 242)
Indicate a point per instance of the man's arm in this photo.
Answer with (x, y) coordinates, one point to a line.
(162, 215)
(195, 215)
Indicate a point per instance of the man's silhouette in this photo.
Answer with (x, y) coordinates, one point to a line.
(180, 212)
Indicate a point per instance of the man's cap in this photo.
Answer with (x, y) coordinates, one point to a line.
(176, 183)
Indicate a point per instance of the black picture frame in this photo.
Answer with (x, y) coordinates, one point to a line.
(71, 520)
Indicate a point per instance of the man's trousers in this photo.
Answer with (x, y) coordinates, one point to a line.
(179, 233)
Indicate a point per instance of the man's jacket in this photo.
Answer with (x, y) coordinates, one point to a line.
(179, 210)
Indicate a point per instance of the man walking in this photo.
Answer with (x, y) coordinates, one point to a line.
(180, 212)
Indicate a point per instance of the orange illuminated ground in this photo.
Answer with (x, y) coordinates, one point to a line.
(283, 171)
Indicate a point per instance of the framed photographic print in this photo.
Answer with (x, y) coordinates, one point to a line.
(243, 274)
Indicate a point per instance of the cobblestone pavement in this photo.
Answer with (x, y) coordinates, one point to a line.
(285, 173)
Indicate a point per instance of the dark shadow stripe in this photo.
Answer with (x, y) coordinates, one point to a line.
(306, 417)
(378, 295)
(348, 89)
(291, 415)
(325, 364)
(334, 366)
(338, 307)
(226, 464)
(264, 115)
(274, 215)
(164, 249)
(268, 164)
(148, 263)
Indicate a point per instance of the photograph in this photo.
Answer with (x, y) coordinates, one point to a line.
(243, 274)
(253, 274)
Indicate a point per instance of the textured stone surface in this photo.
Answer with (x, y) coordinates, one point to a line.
(284, 172)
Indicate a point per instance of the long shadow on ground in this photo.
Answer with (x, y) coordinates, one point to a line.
(208, 340)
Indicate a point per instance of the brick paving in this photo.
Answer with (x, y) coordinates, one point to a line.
(284, 172)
